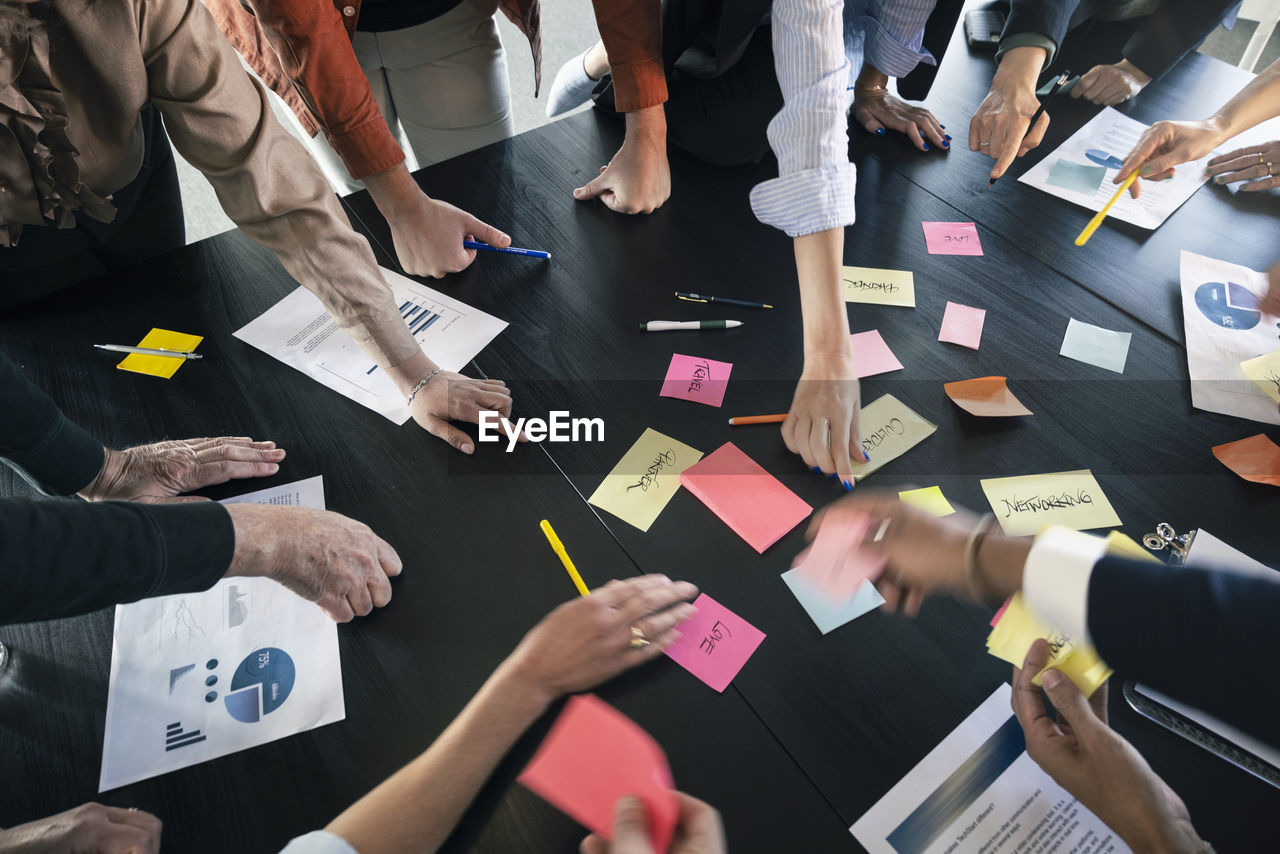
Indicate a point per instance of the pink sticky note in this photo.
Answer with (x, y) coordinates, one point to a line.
(593, 757)
(962, 324)
(951, 238)
(1000, 613)
(871, 355)
(714, 643)
(696, 379)
(749, 499)
(836, 563)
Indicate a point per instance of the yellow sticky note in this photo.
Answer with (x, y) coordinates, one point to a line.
(1018, 628)
(890, 428)
(930, 499)
(879, 287)
(160, 366)
(1265, 373)
(1122, 545)
(644, 480)
(1073, 499)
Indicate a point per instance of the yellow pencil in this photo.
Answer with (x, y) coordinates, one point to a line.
(558, 548)
(1102, 214)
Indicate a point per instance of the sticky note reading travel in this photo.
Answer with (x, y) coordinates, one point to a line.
(1265, 373)
(1072, 499)
(1017, 628)
(644, 480)
(1094, 345)
(879, 287)
(871, 355)
(890, 428)
(696, 379)
(825, 613)
(160, 366)
(592, 758)
(1076, 177)
(988, 397)
(835, 561)
(951, 238)
(962, 324)
(1256, 458)
(930, 500)
(714, 644)
(751, 501)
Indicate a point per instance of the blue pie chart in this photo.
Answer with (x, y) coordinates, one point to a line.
(1229, 305)
(1102, 158)
(260, 685)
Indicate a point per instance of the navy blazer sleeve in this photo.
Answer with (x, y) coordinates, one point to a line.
(1049, 18)
(1175, 29)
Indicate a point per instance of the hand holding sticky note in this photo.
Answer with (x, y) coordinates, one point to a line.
(835, 562)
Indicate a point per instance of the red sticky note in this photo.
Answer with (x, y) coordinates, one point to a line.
(593, 757)
(1256, 458)
(1000, 613)
(871, 355)
(962, 324)
(951, 238)
(835, 562)
(714, 644)
(751, 501)
(696, 379)
(988, 397)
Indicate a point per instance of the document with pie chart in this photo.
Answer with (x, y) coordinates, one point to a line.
(196, 676)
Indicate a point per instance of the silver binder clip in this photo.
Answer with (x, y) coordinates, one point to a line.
(1166, 537)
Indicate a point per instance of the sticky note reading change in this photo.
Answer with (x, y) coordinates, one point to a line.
(1025, 504)
(697, 379)
(751, 501)
(1017, 628)
(879, 287)
(951, 238)
(871, 355)
(714, 643)
(160, 366)
(890, 428)
(644, 480)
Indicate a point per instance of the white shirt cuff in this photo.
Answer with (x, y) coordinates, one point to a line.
(809, 201)
(1055, 580)
(319, 842)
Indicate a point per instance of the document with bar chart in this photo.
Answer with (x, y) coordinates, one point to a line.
(299, 332)
(196, 676)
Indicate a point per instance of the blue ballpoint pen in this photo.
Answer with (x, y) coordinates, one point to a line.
(510, 250)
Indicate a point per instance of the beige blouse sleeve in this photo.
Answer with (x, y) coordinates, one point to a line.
(219, 119)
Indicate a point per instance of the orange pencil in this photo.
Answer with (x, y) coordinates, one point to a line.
(757, 419)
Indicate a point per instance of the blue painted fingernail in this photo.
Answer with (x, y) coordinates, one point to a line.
(867, 455)
(926, 146)
(834, 476)
(848, 485)
(879, 131)
(946, 144)
(948, 137)
(944, 127)
(817, 470)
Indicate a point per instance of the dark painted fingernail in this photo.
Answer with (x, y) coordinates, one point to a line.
(944, 127)
(879, 131)
(866, 455)
(834, 476)
(1219, 178)
(946, 144)
(848, 485)
(817, 470)
(947, 137)
(926, 146)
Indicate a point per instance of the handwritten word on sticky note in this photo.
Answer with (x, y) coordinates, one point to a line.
(889, 428)
(951, 238)
(697, 379)
(835, 561)
(962, 324)
(930, 500)
(160, 366)
(1025, 504)
(1076, 177)
(714, 643)
(751, 501)
(871, 355)
(879, 287)
(1094, 345)
(1256, 458)
(640, 485)
(988, 397)
(1265, 373)
(826, 613)
(593, 757)
(1017, 628)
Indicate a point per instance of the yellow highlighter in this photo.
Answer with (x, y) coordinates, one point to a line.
(1102, 214)
(558, 548)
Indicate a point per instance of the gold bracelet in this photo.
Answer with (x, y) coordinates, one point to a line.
(874, 89)
(974, 578)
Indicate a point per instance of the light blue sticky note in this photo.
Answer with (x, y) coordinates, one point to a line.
(1094, 345)
(828, 615)
(1076, 177)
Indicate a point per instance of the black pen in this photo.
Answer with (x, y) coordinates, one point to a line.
(1044, 105)
(726, 300)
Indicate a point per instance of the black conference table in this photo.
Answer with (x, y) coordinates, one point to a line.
(815, 728)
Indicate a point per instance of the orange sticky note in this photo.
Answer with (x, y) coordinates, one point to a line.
(751, 501)
(1256, 458)
(987, 397)
(593, 757)
(160, 366)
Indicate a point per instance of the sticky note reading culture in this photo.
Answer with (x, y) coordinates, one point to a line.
(879, 287)
(890, 428)
(160, 366)
(951, 238)
(751, 501)
(697, 379)
(593, 757)
(714, 643)
(644, 480)
(871, 355)
(1025, 504)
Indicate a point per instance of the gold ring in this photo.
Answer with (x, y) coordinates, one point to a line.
(1260, 158)
(983, 144)
(638, 640)
(1268, 167)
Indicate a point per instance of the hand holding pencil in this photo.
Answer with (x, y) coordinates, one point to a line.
(1163, 146)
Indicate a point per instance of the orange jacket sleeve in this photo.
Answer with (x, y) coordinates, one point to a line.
(632, 34)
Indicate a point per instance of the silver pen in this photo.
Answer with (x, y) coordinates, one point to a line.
(147, 351)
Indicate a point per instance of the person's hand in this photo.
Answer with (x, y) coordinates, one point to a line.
(160, 472)
(698, 830)
(1110, 84)
(87, 829)
(587, 641)
(822, 425)
(453, 397)
(1001, 126)
(324, 557)
(428, 235)
(1255, 165)
(879, 110)
(638, 178)
(1163, 146)
(1088, 759)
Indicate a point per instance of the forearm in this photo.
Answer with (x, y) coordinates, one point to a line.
(1019, 69)
(394, 191)
(1252, 105)
(826, 322)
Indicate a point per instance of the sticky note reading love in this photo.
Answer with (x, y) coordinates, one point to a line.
(696, 379)
(714, 643)
(951, 238)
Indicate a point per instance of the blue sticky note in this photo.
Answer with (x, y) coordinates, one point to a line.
(1076, 177)
(825, 613)
(1094, 345)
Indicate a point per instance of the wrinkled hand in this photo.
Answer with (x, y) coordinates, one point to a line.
(875, 112)
(87, 829)
(1163, 146)
(160, 472)
(453, 397)
(428, 234)
(822, 425)
(324, 557)
(1001, 127)
(1255, 165)
(698, 830)
(638, 178)
(588, 640)
(1110, 84)
(1088, 759)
